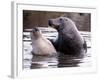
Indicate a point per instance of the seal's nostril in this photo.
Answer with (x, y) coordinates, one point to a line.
(61, 19)
(35, 29)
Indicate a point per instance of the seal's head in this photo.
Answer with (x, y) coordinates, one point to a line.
(36, 33)
(60, 22)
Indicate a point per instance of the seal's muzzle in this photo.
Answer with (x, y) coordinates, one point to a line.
(35, 29)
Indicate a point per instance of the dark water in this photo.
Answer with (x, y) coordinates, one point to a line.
(34, 62)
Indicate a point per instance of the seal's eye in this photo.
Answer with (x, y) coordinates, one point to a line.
(66, 19)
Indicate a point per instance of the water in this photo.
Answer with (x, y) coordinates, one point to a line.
(35, 62)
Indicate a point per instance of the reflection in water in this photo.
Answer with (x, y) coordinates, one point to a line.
(68, 61)
(44, 62)
(35, 62)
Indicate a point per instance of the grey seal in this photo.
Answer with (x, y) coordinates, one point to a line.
(69, 39)
(40, 45)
